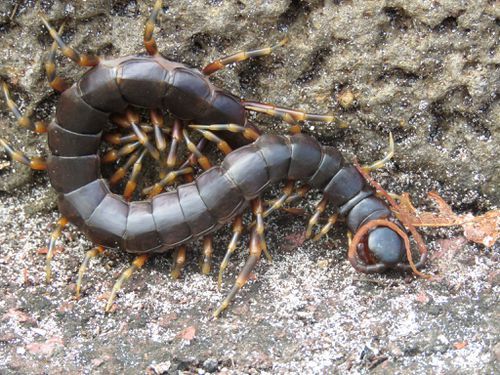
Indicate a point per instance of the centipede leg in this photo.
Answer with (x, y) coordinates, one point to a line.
(255, 253)
(113, 155)
(208, 250)
(132, 182)
(240, 56)
(176, 139)
(136, 264)
(221, 144)
(157, 188)
(380, 163)
(56, 82)
(121, 171)
(179, 262)
(278, 203)
(36, 163)
(83, 267)
(326, 228)
(56, 233)
(71, 53)
(320, 208)
(248, 133)
(237, 230)
(149, 41)
(22, 120)
(287, 114)
(200, 157)
(143, 139)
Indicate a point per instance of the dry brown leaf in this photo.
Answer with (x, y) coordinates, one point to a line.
(187, 333)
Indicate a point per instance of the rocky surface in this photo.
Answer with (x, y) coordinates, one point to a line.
(426, 71)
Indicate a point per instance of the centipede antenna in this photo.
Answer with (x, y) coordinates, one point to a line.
(313, 221)
(289, 115)
(200, 157)
(56, 233)
(179, 262)
(56, 82)
(22, 120)
(149, 41)
(136, 264)
(132, 182)
(83, 267)
(248, 133)
(241, 56)
(36, 163)
(326, 228)
(255, 253)
(237, 230)
(71, 53)
(176, 138)
(222, 145)
(208, 249)
(381, 163)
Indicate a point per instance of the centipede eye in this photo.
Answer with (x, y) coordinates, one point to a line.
(386, 245)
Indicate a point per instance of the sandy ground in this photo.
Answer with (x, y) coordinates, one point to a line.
(426, 72)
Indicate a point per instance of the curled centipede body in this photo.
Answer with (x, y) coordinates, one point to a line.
(218, 196)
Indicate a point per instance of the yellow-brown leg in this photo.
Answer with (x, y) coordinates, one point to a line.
(56, 233)
(71, 53)
(320, 208)
(136, 264)
(83, 267)
(132, 182)
(237, 229)
(326, 228)
(289, 115)
(176, 139)
(36, 163)
(248, 133)
(255, 253)
(157, 188)
(240, 56)
(149, 41)
(221, 144)
(22, 120)
(179, 262)
(201, 159)
(56, 82)
(208, 250)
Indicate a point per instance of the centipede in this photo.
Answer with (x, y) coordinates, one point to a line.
(103, 109)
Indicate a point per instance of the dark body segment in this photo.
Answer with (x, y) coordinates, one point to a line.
(306, 156)
(247, 168)
(142, 82)
(344, 185)
(76, 115)
(277, 153)
(68, 173)
(63, 142)
(188, 94)
(141, 234)
(99, 87)
(330, 164)
(108, 223)
(196, 213)
(80, 204)
(221, 196)
(169, 220)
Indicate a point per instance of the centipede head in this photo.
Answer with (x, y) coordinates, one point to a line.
(382, 244)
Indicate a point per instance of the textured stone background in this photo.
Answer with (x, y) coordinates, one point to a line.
(427, 71)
